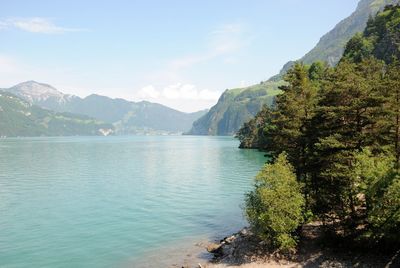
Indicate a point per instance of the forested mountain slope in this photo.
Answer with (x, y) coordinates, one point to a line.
(234, 107)
(20, 118)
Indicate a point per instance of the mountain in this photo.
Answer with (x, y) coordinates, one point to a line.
(331, 46)
(20, 118)
(127, 116)
(146, 115)
(381, 38)
(235, 107)
(41, 94)
(225, 118)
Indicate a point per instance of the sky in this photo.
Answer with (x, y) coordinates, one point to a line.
(180, 53)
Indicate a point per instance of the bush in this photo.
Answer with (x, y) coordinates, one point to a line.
(275, 207)
(385, 214)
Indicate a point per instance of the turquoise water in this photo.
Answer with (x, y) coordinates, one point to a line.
(108, 201)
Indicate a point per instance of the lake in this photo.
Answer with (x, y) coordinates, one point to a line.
(115, 201)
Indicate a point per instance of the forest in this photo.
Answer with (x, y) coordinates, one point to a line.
(332, 138)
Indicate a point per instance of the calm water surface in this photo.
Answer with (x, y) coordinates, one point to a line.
(108, 201)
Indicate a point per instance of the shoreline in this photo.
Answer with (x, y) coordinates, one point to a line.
(244, 250)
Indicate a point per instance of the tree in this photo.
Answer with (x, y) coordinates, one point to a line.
(393, 105)
(384, 216)
(358, 48)
(340, 128)
(349, 115)
(294, 109)
(275, 207)
(255, 133)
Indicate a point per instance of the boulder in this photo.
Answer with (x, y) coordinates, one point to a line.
(214, 248)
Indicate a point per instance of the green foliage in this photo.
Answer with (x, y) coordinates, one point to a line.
(392, 93)
(340, 128)
(358, 48)
(294, 109)
(275, 207)
(347, 119)
(380, 38)
(371, 174)
(384, 215)
(255, 133)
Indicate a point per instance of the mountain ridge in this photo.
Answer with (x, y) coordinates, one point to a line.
(19, 118)
(331, 45)
(128, 117)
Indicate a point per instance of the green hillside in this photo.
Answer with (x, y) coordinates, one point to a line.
(234, 107)
(145, 117)
(19, 118)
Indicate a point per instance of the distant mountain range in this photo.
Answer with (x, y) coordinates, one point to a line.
(21, 118)
(125, 116)
(230, 113)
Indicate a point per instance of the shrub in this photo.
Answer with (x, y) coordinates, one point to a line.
(275, 207)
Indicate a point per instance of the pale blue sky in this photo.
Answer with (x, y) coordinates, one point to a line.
(180, 53)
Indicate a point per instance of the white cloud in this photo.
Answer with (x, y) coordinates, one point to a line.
(180, 96)
(177, 91)
(171, 92)
(188, 92)
(148, 92)
(35, 25)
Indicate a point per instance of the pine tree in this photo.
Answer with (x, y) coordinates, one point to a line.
(393, 105)
(349, 116)
(294, 110)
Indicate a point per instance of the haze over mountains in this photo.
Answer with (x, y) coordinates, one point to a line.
(124, 117)
(230, 113)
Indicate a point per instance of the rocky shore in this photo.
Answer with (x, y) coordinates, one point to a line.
(243, 249)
